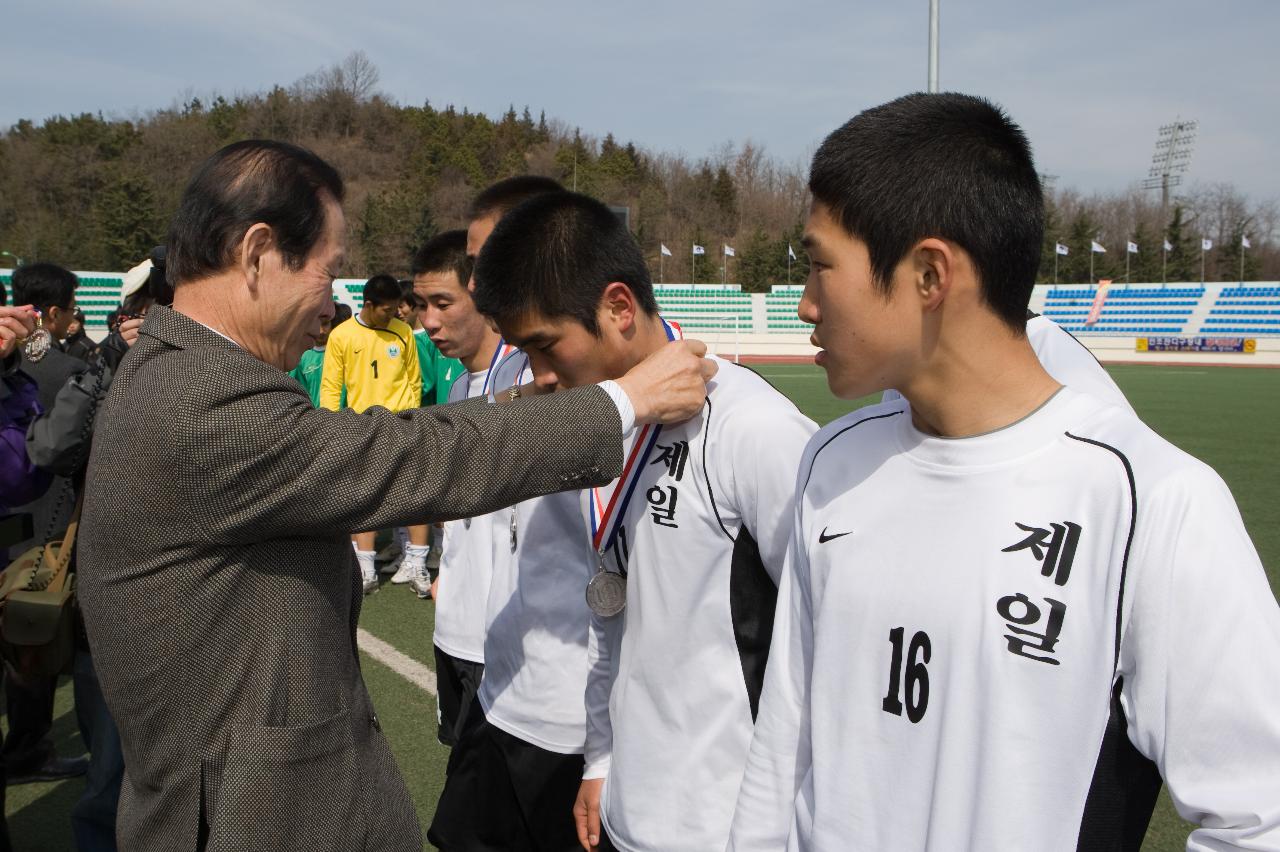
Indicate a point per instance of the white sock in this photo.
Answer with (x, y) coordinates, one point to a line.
(416, 554)
(368, 561)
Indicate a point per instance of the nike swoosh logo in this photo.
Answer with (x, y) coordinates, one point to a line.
(823, 538)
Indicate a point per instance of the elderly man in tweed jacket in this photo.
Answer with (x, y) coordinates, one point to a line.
(216, 575)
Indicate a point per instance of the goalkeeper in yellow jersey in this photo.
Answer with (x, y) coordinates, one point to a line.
(373, 357)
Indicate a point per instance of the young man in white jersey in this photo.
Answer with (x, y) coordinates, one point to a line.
(458, 331)
(688, 543)
(514, 774)
(1009, 608)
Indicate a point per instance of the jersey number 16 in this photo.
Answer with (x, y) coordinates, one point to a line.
(917, 676)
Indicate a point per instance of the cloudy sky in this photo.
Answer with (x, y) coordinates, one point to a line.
(1091, 81)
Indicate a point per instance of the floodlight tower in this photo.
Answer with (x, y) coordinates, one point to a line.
(1171, 159)
(933, 45)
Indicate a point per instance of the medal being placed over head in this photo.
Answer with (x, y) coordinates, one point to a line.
(607, 593)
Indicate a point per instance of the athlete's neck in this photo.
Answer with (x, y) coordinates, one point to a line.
(367, 320)
(977, 384)
(483, 356)
(645, 337)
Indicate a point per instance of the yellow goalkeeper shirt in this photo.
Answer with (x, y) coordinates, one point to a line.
(377, 366)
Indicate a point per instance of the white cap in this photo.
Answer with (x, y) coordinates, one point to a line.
(136, 278)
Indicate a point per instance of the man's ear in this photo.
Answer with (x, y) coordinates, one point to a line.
(254, 246)
(618, 306)
(934, 270)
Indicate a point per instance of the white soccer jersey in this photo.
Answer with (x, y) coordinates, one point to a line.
(535, 650)
(676, 676)
(1067, 360)
(466, 564)
(994, 643)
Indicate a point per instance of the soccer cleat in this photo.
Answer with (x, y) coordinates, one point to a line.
(404, 572)
(396, 567)
(421, 583)
(370, 582)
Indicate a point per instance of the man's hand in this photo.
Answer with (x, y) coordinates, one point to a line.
(586, 812)
(16, 325)
(129, 330)
(670, 385)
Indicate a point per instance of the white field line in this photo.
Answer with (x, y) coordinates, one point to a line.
(403, 665)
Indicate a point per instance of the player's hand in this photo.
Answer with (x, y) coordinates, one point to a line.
(670, 385)
(16, 325)
(586, 813)
(129, 330)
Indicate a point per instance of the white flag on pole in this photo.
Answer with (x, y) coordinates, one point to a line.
(1096, 247)
(1244, 242)
(791, 253)
(1168, 246)
(728, 252)
(666, 251)
(697, 249)
(1206, 244)
(1061, 249)
(1133, 247)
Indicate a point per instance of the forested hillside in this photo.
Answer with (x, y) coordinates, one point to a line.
(95, 192)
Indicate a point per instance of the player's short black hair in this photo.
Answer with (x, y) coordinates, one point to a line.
(939, 165)
(508, 194)
(341, 312)
(445, 252)
(554, 255)
(382, 290)
(44, 286)
(257, 180)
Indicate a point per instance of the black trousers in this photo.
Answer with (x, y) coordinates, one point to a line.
(503, 793)
(457, 682)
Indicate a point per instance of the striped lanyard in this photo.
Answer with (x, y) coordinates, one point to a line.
(607, 516)
(503, 350)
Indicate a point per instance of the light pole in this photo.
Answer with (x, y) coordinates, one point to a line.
(933, 45)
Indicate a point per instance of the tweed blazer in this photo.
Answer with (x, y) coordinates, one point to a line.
(221, 595)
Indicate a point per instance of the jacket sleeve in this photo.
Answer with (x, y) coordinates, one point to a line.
(59, 439)
(265, 464)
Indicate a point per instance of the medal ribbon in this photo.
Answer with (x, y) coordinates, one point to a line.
(503, 350)
(606, 518)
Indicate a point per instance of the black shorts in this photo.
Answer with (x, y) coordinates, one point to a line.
(457, 682)
(502, 793)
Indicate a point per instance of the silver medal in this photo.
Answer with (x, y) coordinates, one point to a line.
(35, 347)
(607, 594)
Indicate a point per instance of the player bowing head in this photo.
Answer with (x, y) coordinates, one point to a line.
(688, 543)
(566, 282)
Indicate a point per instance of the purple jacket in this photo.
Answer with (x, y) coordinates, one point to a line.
(20, 480)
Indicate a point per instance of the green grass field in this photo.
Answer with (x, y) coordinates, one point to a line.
(1221, 415)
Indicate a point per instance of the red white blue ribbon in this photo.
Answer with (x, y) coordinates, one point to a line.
(503, 350)
(606, 516)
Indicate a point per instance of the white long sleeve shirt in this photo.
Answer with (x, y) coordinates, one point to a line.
(535, 647)
(675, 677)
(975, 635)
(466, 565)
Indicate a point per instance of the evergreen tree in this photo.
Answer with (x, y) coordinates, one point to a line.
(128, 221)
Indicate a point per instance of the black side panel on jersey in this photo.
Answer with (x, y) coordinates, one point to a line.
(752, 600)
(1123, 792)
